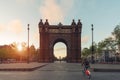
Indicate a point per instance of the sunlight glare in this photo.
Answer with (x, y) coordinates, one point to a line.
(19, 47)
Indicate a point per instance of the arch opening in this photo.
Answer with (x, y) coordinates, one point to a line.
(60, 51)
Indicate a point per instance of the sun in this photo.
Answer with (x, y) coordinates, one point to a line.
(19, 47)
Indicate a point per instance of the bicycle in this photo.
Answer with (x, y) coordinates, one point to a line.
(87, 73)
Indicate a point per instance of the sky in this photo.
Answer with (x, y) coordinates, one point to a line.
(15, 15)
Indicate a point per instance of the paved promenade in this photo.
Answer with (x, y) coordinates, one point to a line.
(21, 66)
(56, 71)
(36, 65)
(105, 67)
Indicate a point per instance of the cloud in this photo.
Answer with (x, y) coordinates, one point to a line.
(24, 1)
(65, 6)
(2, 28)
(36, 36)
(54, 11)
(85, 39)
(59, 49)
(36, 39)
(51, 11)
(60, 52)
(15, 26)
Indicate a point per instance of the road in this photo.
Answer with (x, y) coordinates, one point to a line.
(58, 71)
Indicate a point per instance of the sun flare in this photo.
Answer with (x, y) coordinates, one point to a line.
(19, 47)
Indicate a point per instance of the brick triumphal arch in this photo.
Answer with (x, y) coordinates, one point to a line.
(70, 35)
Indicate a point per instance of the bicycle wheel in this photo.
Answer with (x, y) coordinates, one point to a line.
(89, 77)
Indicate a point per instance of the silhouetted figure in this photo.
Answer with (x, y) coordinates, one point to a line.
(60, 59)
(86, 64)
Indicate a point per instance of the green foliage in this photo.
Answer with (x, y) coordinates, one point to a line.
(85, 52)
(108, 43)
(116, 33)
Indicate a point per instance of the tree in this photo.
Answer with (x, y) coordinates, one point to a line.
(108, 43)
(14, 51)
(85, 52)
(94, 48)
(116, 33)
(33, 52)
(16, 54)
(2, 54)
(5, 52)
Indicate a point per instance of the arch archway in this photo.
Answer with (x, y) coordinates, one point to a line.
(60, 51)
(70, 35)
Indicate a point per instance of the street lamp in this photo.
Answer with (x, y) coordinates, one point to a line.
(28, 44)
(92, 57)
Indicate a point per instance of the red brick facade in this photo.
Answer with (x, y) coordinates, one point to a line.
(68, 34)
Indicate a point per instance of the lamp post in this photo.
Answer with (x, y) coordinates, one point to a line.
(28, 44)
(92, 57)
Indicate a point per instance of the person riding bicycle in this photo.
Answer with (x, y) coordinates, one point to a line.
(86, 64)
